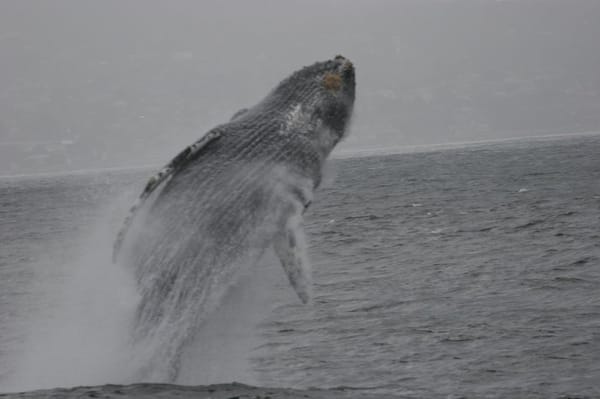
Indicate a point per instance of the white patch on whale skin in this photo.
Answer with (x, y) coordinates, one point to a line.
(296, 119)
(293, 116)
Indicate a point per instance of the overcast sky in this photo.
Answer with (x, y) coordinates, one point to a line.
(86, 83)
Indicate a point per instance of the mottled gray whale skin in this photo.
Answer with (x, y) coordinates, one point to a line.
(220, 203)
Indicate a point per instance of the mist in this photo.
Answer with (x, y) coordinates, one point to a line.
(88, 84)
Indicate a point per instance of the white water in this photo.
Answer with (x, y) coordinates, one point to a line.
(229, 338)
(80, 332)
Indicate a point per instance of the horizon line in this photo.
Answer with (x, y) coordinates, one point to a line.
(342, 154)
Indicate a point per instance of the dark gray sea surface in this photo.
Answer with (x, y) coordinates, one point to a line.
(214, 391)
(470, 272)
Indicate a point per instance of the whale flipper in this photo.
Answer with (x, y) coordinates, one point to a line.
(190, 153)
(290, 247)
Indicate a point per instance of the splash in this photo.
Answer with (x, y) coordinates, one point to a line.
(89, 330)
(79, 334)
(222, 349)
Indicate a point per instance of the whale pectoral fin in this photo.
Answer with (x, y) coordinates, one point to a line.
(176, 164)
(290, 247)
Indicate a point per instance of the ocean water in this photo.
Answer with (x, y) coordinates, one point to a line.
(469, 272)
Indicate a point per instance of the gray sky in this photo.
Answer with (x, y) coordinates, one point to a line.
(87, 84)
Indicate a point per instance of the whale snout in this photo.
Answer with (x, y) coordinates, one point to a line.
(345, 70)
(345, 67)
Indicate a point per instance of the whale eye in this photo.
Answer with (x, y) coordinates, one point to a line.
(332, 81)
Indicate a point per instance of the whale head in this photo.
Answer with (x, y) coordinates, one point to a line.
(316, 99)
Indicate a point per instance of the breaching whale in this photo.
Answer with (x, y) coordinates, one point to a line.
(221, 202)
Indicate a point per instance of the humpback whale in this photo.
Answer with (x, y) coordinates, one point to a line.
(221, 202)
